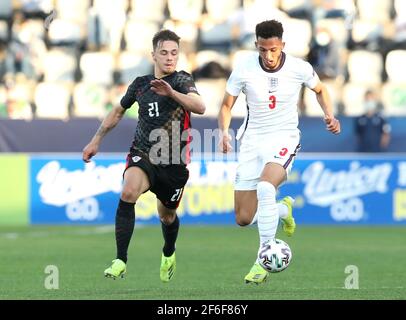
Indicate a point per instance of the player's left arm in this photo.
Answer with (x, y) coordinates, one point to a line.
(324, 99)
(190, 101)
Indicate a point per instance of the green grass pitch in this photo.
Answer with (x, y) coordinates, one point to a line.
(211, 263)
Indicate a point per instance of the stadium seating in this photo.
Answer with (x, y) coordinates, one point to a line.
(211, 91)
(73, 10)
(97, 67)
(108, 19)
(89, 100)
(336, 27)
(364, 31)
(65, 32)
(138, 35)
(313, 109)
(59, 65)
(238, 55)
(288, 5)
(353, 97)
(219, 11)
(184, 63)
(365, 67)
(377, 11)
(3, 31)
(187, 31)
(148, 10)
(185, 10)
(394, 98)
(102, 45)
(6, 9)
(19, 100)
(297, 36)
(132, 65)
(400, 7)
(52, 100)
(215, 35)
(394, 60)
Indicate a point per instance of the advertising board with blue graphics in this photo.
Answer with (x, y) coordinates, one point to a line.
(333, 190)
(362, 190)
(66, 190)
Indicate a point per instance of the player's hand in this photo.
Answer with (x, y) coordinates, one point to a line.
(161, 87)
(224, 144)
(89, 151)
(332, 125)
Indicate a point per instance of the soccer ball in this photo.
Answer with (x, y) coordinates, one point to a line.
(274, 255)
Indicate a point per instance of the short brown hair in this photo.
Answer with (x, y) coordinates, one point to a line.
(164, 35)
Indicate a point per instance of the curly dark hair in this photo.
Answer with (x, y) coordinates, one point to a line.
(164, 35)
(269, 29)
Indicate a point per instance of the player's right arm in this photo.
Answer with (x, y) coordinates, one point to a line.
(109, 122)
(224, 120)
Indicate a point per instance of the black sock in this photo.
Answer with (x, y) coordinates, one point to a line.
(125, 218)
(170, 233)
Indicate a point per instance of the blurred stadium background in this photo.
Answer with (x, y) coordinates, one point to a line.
(59, 77)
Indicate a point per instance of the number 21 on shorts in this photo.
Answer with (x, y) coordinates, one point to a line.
(177, 194)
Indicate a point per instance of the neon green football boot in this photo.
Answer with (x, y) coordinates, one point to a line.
(289, 224)
(168, 267)
(117, 269)
(256, 275)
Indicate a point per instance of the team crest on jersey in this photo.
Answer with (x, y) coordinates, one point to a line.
(136, 159)
(273, 83)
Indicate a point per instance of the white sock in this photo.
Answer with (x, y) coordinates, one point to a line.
(268, 216)
(282, 211)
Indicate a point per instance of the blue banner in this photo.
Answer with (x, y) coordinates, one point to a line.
(337, 189)
(348, 189)
(66, 190)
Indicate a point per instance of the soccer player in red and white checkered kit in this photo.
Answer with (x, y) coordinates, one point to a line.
(159, 152)
(270, 139)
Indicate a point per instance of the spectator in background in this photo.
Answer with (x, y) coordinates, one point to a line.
(26, 49)
(372, 129)
(324, 55)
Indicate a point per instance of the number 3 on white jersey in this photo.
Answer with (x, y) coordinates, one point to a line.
(272, 100)
(153, 109)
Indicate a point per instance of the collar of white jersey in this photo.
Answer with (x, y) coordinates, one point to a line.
(283, 59)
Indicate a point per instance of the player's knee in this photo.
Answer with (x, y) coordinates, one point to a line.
(242, 219)
(130, 194)
(168, 218)
(242, 222)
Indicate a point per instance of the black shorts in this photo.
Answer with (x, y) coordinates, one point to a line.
(166, 182)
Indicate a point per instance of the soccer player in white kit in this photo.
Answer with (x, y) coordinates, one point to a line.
(270, 138)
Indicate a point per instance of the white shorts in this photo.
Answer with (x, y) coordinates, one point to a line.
(255, 153)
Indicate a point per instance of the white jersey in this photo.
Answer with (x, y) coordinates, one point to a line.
(271, 96)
